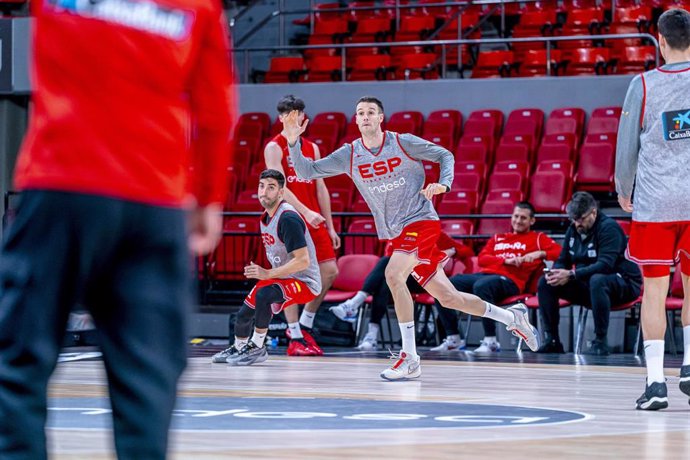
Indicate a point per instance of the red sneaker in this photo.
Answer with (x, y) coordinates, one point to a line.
(311, 342)
(299, 347)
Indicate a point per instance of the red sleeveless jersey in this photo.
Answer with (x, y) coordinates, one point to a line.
(304, 189)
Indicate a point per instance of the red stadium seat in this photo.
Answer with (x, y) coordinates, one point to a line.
(489, 114)
(635, 59)
(507, 181)
(513, 152)
(352, 271)
(494, 64)
(533, 63)
(365, 243)
(285, 70)
(416, 118)
(588, 61)
(604, 124)
(555, 152)
(444, 116)
(336, 118)
(470, 198)
(372, 29)
(261, 118)
(236, 249)
(480, 127)
(526, 140)
(416, 66)
(247, 201)
(457, 227)
(551, 186)
(372, 67)
(596, 167)
(489, 226)
(474, 148)
(414, 28)
(505, 195)
(525, 121)
(566, 120)
(324, 69)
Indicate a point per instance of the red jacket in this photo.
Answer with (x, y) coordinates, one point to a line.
(504, 246)
(128, 97)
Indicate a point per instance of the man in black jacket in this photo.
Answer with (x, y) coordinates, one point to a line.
(592, 270)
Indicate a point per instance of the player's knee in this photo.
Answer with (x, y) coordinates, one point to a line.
(329, 274)
(597, 282)
(484, 289)
(264, 296)
(395, 278)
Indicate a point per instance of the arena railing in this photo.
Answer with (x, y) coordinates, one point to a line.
(444, 45)
(494, 6)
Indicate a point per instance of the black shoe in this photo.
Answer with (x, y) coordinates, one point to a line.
(685, 380)
(655, 397)
(598, 348)
(551, 346)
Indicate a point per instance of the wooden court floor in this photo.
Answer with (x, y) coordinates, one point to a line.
(337, 407)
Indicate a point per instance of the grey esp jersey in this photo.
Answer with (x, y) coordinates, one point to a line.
(278, 255)
(389, 179)
(662, 185)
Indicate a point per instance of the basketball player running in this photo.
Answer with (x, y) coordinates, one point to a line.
(653, 155)
(311, 199)
(387, 169)
(293, 279)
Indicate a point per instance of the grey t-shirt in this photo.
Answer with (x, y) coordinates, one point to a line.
(389, 179)
(653, 153)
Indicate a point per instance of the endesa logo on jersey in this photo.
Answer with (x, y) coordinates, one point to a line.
(268, 239)
(378, 168)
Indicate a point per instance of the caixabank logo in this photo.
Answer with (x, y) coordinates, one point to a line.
(676, 125)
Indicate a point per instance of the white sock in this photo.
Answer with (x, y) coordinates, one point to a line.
(490, 339)
(686, 346)
(453, 338)
(259, 339)
(654, 356)
(240, 343)
(498, 314)
(295, 330)
(358, 299)
(373, 330)
(409, 345)
(307, 319)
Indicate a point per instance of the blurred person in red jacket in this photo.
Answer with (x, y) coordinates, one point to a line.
(128, 97)
(506, 262)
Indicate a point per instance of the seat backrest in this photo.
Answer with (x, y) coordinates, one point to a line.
(512, 152)
(492, 226)
(454, 116)
(286, 64)
(353, 270)
(415, 117)
(457, 227)
(596, 163)
(362, 244)
(492, 114)
(549, 189)
(554, 152)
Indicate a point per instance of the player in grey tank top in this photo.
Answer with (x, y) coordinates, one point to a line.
(387, 170)
(293, 279)
(653, 156)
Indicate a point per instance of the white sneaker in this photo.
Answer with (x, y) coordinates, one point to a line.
(368, 343)
(488, 347)
(346, 311)
(405, 368)
(450, 345)
(521, 327)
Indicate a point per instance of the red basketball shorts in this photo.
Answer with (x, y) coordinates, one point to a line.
(294, 292)
(322, 243)
(420, 238)
(659, 244)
